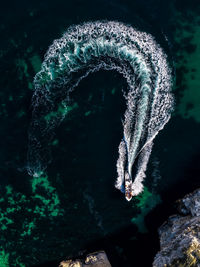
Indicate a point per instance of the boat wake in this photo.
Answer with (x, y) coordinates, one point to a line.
(87, 48)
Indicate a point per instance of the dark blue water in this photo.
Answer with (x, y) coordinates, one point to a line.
(76, 209)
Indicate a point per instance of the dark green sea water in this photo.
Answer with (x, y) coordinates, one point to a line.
(75, 209)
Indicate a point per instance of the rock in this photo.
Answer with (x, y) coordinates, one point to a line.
(180, 235)
(96, 259)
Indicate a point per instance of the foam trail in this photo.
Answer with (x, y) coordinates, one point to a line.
(110, 45)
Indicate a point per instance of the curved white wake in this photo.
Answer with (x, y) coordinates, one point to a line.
(111, 45)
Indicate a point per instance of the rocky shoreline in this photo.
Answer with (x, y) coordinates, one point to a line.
(179, 239)
(180, 235)
(96, 259)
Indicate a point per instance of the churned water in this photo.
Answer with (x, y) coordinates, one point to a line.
(73, 208)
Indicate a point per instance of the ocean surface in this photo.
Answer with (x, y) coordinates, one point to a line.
(74, 209)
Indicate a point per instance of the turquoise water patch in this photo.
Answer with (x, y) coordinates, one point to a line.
(145, 202)
(27, 212)
(36, 62)
(187, 39)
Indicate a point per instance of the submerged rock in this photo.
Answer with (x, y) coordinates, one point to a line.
(180, 235)
(96, 259)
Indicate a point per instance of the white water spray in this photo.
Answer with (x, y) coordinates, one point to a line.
(84, 49)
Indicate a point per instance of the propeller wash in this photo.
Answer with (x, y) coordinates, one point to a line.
(87, 48)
